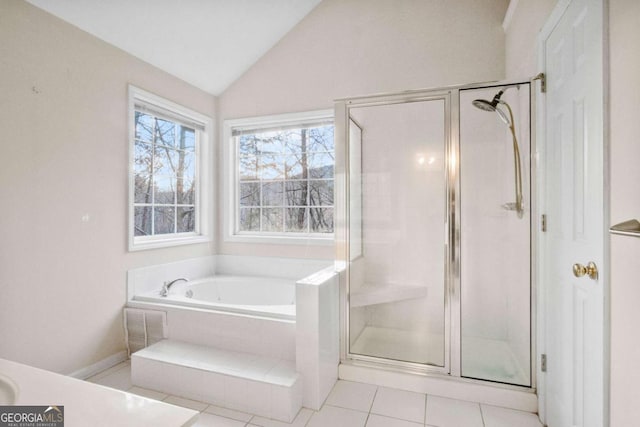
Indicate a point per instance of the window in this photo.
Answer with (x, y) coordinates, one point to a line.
(168, 173)
(282, 177)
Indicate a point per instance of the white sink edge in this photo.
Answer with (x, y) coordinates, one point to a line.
(8, 389)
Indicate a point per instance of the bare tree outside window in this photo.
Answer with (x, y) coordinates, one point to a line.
(165, 176)
(285, 180)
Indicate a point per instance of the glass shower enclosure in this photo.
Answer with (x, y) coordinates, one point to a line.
(434, 231)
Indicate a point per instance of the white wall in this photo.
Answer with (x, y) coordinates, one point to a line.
(63, 115)
(355, 47)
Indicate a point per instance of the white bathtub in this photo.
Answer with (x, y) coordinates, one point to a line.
(241, 303)
(258, 296)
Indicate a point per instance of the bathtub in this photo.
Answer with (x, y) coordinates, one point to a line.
(237, 303)
(258, 296)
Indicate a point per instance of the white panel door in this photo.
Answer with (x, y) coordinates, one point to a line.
(573, 199)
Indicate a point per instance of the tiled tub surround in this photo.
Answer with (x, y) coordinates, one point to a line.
(317, 335)
(146, 279)
(240, 350)
(263, 336)
(257, 333)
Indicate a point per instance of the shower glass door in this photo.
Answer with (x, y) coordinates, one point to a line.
(435, 231)
(495, 238)
(397, 212)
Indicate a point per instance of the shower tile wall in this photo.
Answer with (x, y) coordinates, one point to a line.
(519, 296)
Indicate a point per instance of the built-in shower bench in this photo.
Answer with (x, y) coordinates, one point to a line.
(260, 385)
(374, 293)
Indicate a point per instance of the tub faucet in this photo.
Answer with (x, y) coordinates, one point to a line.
(167, 285)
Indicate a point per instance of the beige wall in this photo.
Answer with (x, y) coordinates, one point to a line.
(63, 113)
(521, 49)
(624, 16)
(63, 116)
(357, 47)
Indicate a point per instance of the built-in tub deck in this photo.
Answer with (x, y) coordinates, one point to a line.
(251, 295)
(262, 324)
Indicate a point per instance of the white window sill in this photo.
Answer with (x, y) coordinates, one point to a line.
(280, 240)
(141, 244)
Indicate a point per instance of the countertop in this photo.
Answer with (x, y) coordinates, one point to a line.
(87, 404)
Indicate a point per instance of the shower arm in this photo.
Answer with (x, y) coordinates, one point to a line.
(517, 164)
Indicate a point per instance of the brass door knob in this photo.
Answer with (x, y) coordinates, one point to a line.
(590, 270)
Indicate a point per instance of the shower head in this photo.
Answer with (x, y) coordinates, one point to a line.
(485, 105)
(492, 105)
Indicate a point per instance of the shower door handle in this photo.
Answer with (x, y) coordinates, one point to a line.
(590, 270)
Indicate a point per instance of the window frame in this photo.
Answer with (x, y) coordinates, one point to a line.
(231, 178)
(173, 111)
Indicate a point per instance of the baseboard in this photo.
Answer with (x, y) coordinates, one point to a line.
(106, 363)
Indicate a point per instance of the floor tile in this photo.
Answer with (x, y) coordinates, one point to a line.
(186, 403)
(405, 405)
(299, 421)
(352, 395)
(120, 379)
(229, 413)
(145, 392)
(443, 412)
(502, 417)
(210, 420)
(332, 416)
(109, 371)
(348, 405)
(380, 421)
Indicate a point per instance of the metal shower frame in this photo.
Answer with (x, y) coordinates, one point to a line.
(451, 96)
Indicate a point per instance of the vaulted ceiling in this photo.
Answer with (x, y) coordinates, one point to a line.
(208, 43)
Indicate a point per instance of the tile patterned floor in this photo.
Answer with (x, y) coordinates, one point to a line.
(350, 404)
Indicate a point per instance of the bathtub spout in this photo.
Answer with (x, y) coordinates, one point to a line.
(167, 285)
